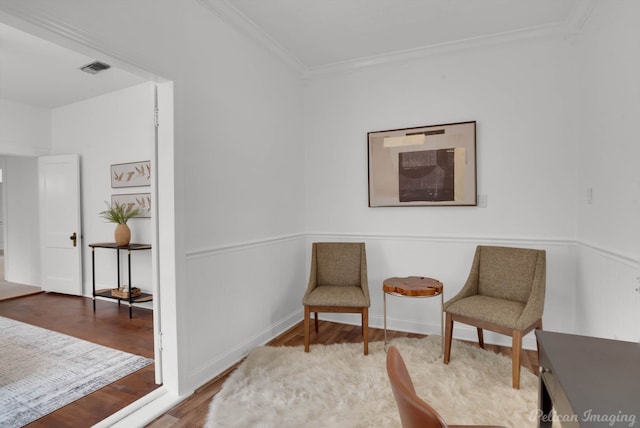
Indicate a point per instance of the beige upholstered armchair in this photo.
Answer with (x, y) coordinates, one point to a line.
(503, 293)
(337, 283)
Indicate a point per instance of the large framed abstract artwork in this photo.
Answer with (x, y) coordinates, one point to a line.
(426, 166)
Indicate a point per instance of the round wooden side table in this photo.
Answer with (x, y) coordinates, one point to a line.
(413, 286)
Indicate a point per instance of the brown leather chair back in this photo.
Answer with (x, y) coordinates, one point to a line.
(414, 412)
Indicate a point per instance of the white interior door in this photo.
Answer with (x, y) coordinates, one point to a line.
(60, 234)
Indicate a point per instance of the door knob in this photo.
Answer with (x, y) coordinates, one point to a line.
(74, 238)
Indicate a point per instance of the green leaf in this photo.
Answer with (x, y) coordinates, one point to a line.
(119, 213)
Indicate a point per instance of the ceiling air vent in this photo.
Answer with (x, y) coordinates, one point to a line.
(95, 67)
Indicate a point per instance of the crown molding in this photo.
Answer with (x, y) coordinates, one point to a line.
(578, 16)
(572, 25)
(15, 148)
(232, 16)
(463, 45)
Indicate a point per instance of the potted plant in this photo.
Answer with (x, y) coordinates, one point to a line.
(120, 214)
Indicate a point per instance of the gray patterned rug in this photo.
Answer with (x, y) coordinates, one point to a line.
(41, 370)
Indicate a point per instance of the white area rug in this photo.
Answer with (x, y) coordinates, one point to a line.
(41, 370)
(337, 386)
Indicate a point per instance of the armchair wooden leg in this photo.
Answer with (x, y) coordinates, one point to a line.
(516, 348)
(480, 338)
(315, 317)
(448, 334)
(307, 314)
(365, 330)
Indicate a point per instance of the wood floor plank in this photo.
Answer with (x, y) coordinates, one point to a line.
(109, 326)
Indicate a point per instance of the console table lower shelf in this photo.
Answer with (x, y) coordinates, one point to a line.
(140, 298)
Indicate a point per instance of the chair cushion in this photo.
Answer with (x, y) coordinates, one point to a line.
(507, 273)
(338, 263)
(336, 295)
(502, 312)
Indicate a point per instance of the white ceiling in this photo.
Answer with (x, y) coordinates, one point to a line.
(312, 35)
(36, 72)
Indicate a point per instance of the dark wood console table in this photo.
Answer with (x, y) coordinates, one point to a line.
(107, 293)
(590, 382)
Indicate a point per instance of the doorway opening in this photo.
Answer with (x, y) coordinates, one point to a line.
(10, 288)
(161, 154)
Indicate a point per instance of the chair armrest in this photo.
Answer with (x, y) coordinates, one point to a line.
(364, 281)
(470, 287)
(535, 305)
(313, 274)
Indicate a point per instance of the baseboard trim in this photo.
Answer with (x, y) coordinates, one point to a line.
(143, 411)
(460, 331)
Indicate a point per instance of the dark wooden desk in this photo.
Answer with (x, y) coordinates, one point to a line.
(590, 382)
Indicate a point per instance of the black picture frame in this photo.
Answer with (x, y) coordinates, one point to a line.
(431, 165)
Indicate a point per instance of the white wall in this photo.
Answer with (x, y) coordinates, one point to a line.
(519, 94)
(24, 130)
(22, 254)
(239, 172)
(243, 160)
(110, 129)
(1, 211)
(608, 287)
(243, 196)
(607, 113)
(555, 117)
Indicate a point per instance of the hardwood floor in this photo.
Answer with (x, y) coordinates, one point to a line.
(11, 290)
(109, 326)
(74, 316)
(193, 411)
